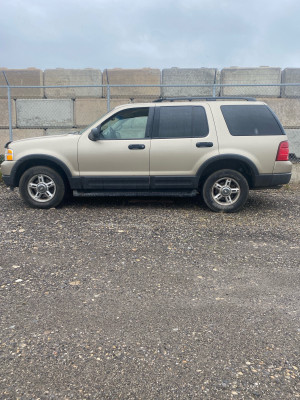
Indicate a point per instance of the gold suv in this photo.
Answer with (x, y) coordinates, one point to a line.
(218, 148)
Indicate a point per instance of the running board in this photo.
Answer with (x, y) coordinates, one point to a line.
(92, 193)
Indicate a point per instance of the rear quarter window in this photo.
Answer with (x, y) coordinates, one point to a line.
(251, 120)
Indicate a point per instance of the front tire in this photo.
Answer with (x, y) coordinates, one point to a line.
(42, 187)
(225, 190)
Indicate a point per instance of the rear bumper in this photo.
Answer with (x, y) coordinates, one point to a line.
(271, 180)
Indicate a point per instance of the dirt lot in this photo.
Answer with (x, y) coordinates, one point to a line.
(150, 299)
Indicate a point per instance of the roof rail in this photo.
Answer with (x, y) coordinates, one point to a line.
(161, 99)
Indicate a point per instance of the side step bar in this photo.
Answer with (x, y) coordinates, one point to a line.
(93, 193)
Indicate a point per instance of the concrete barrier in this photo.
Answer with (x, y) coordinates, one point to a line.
(189, 76)
(257, 76)
(89, 110)
(22, 77)
(4, 116)
(296, 173)
(287, 111)
(290, 75)
(294, 141)
(44, 113)
(64, 77)
(145, 76)
(63, 113)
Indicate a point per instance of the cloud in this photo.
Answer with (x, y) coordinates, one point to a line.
(149, 33)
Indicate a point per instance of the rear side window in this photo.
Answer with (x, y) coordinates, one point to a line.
(180, 122)
(251, 120)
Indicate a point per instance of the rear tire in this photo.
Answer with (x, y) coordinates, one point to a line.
(42, 187)
(225, 190)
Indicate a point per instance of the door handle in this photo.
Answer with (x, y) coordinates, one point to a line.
(136, 147)
(204, 144)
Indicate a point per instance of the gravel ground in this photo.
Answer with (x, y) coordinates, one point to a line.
(150, 299)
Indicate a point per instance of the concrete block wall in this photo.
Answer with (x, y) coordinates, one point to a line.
(189, 76)
(253, 76)
(22, 77)
(19, 134)
(4, 115)
(87, 111)
(287, 110)
(290, 75)
(69, 77)
(44, 111)
(145, 76)
(294, 141)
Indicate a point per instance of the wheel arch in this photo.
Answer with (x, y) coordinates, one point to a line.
(229, 161)
(39, 159)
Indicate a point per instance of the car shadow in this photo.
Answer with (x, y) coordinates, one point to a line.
(141, 202)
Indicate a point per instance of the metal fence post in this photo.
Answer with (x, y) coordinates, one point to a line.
(214, 90)
(9, 108)
(108, 98)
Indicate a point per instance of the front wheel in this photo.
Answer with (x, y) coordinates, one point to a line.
(42, 187)
(225, 190)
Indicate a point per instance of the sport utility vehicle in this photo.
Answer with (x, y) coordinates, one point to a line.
(179, 147)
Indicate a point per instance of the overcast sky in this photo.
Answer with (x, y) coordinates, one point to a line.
(149, 33)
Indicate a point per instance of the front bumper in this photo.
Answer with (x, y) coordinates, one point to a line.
(6, 167)
(7, 180)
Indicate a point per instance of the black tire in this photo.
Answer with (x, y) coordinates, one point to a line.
(42, 187)
(225, 190)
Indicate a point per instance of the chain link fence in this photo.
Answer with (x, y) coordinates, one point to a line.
(28, 111)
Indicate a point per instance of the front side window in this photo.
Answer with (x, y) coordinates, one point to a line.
(251, 120)
(181, 122)
(126, 124)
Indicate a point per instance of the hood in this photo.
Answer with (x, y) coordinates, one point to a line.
(55, 145)
(46, 137)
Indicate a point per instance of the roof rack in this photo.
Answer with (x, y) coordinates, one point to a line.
(161, 99)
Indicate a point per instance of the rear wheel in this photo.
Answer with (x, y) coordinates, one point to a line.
(42, 187)
(225, 190)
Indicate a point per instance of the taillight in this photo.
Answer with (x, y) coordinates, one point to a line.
(283, 151)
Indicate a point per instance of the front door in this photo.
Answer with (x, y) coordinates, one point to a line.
(119, 160)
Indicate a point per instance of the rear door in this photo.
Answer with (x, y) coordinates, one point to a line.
(183, 138)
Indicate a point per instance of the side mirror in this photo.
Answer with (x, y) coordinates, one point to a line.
(95, 134)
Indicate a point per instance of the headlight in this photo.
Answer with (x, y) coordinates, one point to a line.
(9, 155)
